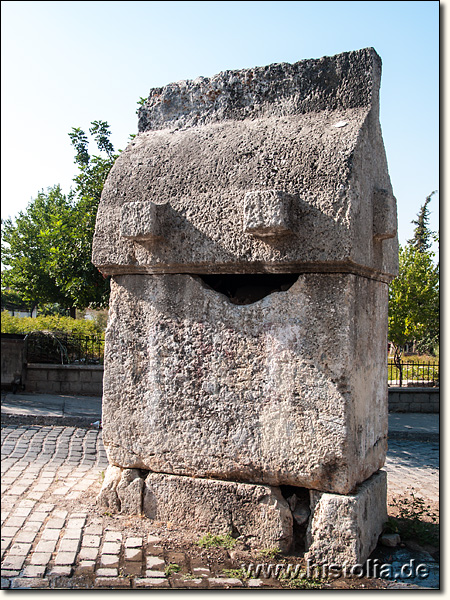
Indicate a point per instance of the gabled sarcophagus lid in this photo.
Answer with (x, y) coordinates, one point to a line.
(272, 169)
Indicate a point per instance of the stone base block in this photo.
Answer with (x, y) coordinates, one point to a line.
(257, 513)
(346, 528)
(339, 528)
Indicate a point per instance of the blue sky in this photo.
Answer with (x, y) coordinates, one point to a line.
(65, 64)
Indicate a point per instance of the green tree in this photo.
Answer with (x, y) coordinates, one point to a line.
(422, 234)
(27, 254)
(71, 264)
(414, 301)
(48, 247)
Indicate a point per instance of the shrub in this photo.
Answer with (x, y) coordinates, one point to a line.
(55, 323)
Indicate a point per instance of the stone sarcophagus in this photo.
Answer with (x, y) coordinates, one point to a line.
(250, 232)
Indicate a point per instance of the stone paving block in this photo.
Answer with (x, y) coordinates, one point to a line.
(153, 539)
(28, 583)
(35, 495)
(17, 490)
(133, 542)
(40, 487)
(46, 546)
(75, 523)
(31, 526)
(113, 582)
(65, 558)
(50, 534)
(46, 507)
(151, 582)
(91, 541)
(113, 536)
(55, 523)
(109, 560)
(22, 512)
(40, 558)
(34, 571)
(181, 582)
(107, 572)
(61, 571)
(20, 549)
(93, 530)
(10, 573)
(60, 492)
(153, 573)
(26, 537)
(201, 572)
(68, 545)
(88, 553)
(13, 563)
(133, 554)
(86, 567)
(15, 521)
(9, 532)
(111, 548)
(73, 534)
(155, 562)
(224, 582)
(255, 583)
(38, 517)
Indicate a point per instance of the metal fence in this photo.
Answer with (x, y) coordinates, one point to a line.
(62, 348)
(414, 374)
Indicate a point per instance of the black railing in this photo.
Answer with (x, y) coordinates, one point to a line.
(413, 374)
(64, 348)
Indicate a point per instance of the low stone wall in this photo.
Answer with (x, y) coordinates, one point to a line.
(88, 380)
(85, 380)
(414, 400)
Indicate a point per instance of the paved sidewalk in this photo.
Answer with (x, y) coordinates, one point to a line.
(423, 426)
(54, 536)
(52, 408)
(63, 409)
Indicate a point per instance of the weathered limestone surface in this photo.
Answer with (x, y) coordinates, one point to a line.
(223, 394)
(175, 201)
(346, 528)
(258, 514)
(287, 390)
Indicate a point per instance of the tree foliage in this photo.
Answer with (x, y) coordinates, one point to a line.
(414, 294)
(422, 234)
(55, 323)
(27, 253)
(48, 247)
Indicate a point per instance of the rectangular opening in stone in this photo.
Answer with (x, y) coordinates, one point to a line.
(249, 288)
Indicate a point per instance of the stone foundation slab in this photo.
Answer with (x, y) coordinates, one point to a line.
(346, 528)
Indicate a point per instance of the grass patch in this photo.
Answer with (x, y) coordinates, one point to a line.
(171, 569)
(223, 540)
(189, 576)
(235, 573)
(269, 553)
(302, 583)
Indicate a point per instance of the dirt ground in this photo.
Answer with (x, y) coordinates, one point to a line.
(180, 546)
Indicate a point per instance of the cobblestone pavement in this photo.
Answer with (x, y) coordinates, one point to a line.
(54, 536)
(413, 466)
